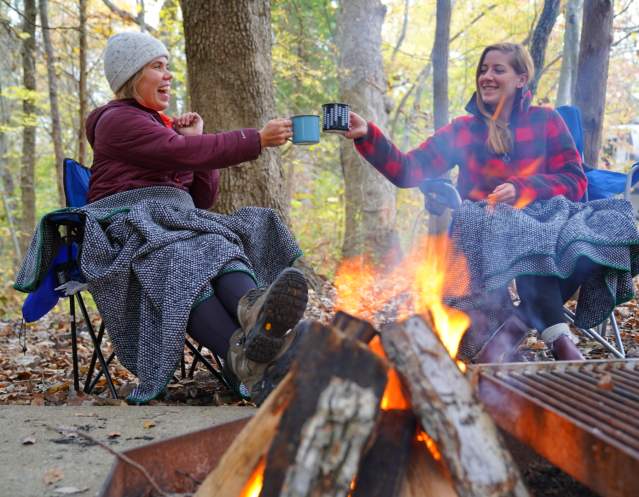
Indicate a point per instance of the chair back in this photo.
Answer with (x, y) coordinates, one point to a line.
(572, 117)
(76, 179)
(76, 187)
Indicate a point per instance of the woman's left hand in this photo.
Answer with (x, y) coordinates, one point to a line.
(505, 193)
(189, 124)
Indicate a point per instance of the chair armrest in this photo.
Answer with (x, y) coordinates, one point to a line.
(633, 177)
(439, 195)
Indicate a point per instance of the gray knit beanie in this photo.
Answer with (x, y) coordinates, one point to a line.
(127, 53)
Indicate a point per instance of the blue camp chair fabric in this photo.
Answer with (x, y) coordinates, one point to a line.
(601, 182)
(45, 297)
(572, 117)
(76, 183)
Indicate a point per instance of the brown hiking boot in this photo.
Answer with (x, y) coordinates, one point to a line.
(503, 344)
(266, 314)
(244, 373)
(564, 349)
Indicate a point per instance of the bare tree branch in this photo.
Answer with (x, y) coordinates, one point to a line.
(123, 14)
(402, 34)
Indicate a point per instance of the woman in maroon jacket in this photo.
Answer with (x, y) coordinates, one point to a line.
(136, 146)
(507, 151)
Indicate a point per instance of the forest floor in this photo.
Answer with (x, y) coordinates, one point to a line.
(41, 374)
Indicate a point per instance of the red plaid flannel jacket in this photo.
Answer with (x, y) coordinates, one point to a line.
(544, 161)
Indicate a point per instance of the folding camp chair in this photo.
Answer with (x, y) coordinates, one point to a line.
(441, 194)
(601, 184)
(65, 279)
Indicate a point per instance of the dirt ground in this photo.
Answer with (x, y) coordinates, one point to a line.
(35, 369)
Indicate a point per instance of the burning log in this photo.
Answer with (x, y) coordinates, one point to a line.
(425, 476)
(354, 328)
(313, 428)
(444, 401)
(376, 477)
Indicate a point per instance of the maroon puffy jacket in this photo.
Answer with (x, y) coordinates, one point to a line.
(132, 148)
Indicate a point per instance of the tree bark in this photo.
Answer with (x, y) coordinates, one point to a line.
(7, 186)
(27, 173)
(82, 84)
(439, 57)
(450, 413)
(228, 50)
(592, 74)
(56, 127)
(568, 73)
(540, 37)
(369, 197)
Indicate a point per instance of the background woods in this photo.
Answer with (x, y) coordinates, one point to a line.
(406, 64)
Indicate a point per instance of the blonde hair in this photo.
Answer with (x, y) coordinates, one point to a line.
(128, 89)
(499, 138)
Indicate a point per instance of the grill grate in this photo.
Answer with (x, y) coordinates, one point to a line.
(582, 416)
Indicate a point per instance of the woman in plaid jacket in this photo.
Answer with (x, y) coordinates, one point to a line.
(507, 151)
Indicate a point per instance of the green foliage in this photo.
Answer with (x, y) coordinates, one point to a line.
(305, 76)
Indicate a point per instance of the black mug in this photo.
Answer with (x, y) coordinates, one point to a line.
(335, 118)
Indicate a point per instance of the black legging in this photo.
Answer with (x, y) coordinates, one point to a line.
(542, 297)
(214, 320)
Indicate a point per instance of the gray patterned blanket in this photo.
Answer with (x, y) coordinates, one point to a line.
(147, 255)
(546, 238)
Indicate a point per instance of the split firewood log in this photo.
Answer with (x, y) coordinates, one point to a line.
(425, 476)
(382, 470)
(450, 413)
(318, 422)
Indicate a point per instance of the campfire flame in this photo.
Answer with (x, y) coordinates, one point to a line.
(254, 484)
(393, 397)
(417, 285)
(430, 444)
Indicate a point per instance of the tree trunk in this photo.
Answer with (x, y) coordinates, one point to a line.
(27, 175)
(568, 74)
(592, 75)
(82, 85)
(540, 37)
(369, 197)
(439, 57)
(7, 186)
(56, 127)
(228, 50)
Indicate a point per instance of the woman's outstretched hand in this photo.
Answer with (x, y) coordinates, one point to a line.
(276, 132)
(189, 124)
(358, 127)
(505, 193)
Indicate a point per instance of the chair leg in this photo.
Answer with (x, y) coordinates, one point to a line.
(195, 361)
(594, 335)
(196, 353)
(615, 330)
(74, 345)
(94, 358)
(96, 348)
(182, 367)
(99, 374)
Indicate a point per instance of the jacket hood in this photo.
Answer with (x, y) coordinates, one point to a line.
(523, 100)
(94, 116)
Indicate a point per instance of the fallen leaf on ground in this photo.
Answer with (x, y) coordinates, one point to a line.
(52, 475)
(148, 424)
(70, 490)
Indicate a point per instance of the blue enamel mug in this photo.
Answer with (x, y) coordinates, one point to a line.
(306, 129)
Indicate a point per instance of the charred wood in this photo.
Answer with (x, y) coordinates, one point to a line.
(444, 401)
